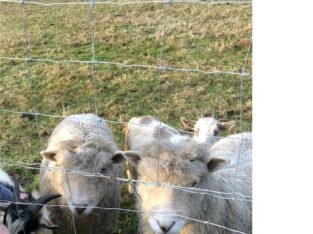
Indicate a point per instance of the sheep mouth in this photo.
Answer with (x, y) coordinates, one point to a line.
(81, 215)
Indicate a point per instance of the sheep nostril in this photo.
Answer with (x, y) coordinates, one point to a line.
(80, 208)
(165, 229)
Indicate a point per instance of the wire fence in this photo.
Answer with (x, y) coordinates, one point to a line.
(160, 68)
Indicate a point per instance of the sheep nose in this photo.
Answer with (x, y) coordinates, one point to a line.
(80, 208)
(166, 228)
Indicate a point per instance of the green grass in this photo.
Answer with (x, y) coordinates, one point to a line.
(210, 38)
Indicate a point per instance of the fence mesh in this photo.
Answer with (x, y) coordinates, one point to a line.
(119, 58)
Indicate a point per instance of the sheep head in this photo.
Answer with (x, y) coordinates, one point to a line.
(75, 166)
(206, 127)
(183, 164)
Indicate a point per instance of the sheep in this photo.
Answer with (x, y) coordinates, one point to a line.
(83, 143)
(207, 128)
(21, 218)
(147, 128)
(183, 162)
(236, 148)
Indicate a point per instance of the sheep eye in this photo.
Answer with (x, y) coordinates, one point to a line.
(103, 170)
(216, 131)
(194, 184)
(72, 151)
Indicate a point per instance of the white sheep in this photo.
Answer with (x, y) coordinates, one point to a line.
(207, 128)
(148, 128)
(181, 161)
(82, 144)
(237, 148)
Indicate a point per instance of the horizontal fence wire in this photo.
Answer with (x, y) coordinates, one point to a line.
(197, 70)
(121, 3)
(24, 114)
(38, 166)
(135, 211)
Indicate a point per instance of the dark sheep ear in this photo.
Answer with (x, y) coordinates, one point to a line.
(132, 157)
(118, 157)
(226, 125)
(215, 164)
(187, 123)
(49, 154)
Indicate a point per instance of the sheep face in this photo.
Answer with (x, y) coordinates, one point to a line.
(206, 128)
(185, 166)
(82, 192)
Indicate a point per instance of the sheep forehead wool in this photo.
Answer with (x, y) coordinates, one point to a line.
(179, 164)
(206, 122)
(146, 120)
(76, 130)
(82, 159)
(158, 127)
(205, 128)
(141, 130)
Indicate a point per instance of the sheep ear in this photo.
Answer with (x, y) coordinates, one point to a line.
(132, 157)
(187, 123)
(118, 157)
(215, 164)
(226, 125)
(49, 154)
(47, 224)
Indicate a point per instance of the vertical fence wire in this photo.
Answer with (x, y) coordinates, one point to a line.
(72, 215)
(28, 76)
(28, 72)
(91, 26)
(160, 70)
(234, 189)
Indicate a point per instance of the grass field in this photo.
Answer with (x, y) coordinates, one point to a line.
(207, 37)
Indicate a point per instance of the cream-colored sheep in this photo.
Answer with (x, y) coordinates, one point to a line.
(140, 131)
(82, 143)
(207, 128)
(181, 161)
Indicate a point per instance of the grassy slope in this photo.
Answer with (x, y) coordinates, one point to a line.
(206, 37)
